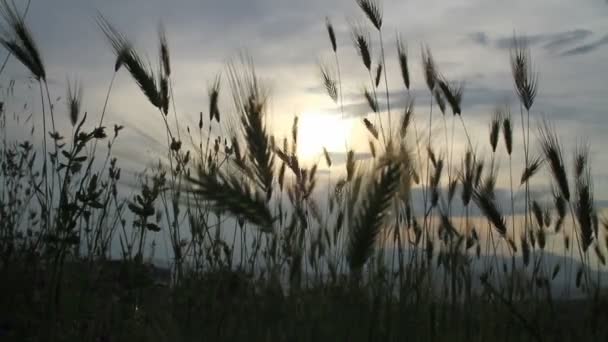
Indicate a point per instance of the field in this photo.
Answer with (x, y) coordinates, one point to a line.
(408, 240)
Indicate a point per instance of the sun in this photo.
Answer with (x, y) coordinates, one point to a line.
(317, 130)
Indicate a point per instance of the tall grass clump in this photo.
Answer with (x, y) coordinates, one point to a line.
(231, 234)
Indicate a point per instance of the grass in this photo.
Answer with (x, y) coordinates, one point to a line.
(260, 251)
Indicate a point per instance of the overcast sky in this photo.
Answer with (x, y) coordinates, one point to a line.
(286, 38)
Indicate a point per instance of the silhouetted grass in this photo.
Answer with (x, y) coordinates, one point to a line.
(357, 259)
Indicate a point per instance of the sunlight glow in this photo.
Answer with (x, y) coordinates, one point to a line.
(317, 130)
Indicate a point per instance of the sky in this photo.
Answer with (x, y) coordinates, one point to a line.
(469, 39)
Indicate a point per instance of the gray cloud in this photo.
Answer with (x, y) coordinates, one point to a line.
(480, 38)
(563, 39)
(474, 96)
(586, 48)
(550, 42)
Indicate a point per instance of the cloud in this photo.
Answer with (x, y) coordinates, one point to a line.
(566, 38)
(551, 41)
(480, 38)
(586, 48)
(474, 96)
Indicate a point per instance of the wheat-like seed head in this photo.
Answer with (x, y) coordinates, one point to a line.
(327, 157)
(164, 50)
(453, 94)
(406, 119)
(584, 205)
(507, 131)
(402, 56)
(531, 169)
(371, 128)
(371, 101)
(350, 165)
(362, 43)
(581, 160)
(371, 216)
(495, 128)
(372, 148)
(538, 213)
(553, 155)
(378, 74)
(373, 11)
(467, 177)
(74, 100)
(332, 34)
(250, 100)
(17, 39)
(127, 56)
(227, 192)
(430, 70)
(214, 94)
(525, 78)
(329, 81)
(440, 100)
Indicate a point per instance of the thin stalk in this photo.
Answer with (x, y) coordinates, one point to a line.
(427, 175)
(44, 164)
(339, 83)
(371, 80)
(466, 133)
(388, 102)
